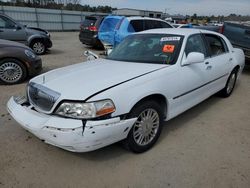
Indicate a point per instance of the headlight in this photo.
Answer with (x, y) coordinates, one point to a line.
(30, 54)
(86, 110)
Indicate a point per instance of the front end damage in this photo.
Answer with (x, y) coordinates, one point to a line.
(70, 134)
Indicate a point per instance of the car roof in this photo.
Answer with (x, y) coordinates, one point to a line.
(143, 18)
(177, 31)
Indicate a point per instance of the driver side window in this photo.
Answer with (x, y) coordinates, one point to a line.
(195, 44)
(6, 23)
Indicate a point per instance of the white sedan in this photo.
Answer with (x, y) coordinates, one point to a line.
(149, 78)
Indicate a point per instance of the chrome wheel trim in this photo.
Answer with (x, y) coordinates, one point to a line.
(231, 83)
(38, 47)
(10, 72)
(146, 127)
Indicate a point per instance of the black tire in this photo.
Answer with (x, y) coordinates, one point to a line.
(228, 89)
(38, 46)
(17, 71)
(98, 45)
(130, 142)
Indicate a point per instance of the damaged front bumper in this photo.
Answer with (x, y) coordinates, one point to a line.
(70, 134)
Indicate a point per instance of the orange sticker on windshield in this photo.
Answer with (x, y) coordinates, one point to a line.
(168, 48)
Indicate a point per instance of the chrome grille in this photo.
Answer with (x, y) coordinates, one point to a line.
(42, 97)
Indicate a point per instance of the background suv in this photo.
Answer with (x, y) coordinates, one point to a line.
(89, 31)
(115, 28)
(37, 39)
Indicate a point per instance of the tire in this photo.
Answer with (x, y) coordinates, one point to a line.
(98, 45)
(144, 134)
(228, 89)
(38, 46)
(12, 71)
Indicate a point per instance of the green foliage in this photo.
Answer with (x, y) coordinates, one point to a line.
(58, 4)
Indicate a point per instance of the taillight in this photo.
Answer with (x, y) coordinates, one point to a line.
(92, 28)
(221, 30)
(81, 26)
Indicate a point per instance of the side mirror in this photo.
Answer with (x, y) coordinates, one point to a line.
(194, 57)
(18, 27)
(90, 55)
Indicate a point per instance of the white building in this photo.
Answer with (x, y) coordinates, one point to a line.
(137, 12)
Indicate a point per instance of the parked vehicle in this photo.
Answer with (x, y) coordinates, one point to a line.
(239, 35)
(115, 28)
(37, 39)
(184, 25)
(89, 31)
(150, 77)
(215, 28)
(17, 62)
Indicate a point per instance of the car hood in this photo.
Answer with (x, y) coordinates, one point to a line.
(34, 30)
(80, 81)
(7, 43)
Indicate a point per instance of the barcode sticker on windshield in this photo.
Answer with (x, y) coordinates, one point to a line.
(170, 39)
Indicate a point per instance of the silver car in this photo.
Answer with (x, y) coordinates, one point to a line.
(36, 38)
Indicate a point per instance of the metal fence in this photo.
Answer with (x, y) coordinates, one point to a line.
(49, 19)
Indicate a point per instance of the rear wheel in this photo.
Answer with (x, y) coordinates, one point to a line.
(12, 71)
(147, 128)
(98, 45)
(38, 47)
(228, 89)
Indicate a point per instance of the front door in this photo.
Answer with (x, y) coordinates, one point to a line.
(192, 79)
(9, 30)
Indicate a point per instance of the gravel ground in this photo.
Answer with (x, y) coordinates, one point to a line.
(207, 146)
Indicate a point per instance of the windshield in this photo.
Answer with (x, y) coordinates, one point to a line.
(148, 48)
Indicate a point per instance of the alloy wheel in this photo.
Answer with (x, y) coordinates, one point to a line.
(146, 127)
(38, 47)
(10, 72)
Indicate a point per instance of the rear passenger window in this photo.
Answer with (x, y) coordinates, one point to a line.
(216, 44)
(165, 25)
(154, 24)
(135, 26)
(195, 44)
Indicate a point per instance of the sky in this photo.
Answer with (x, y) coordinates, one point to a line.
(184, 7)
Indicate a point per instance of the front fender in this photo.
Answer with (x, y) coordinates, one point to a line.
(127, 95)
(35, 36)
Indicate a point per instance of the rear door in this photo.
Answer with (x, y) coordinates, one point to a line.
(10, 31)
(219, 64)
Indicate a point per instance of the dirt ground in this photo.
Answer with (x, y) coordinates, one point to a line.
(207, 146)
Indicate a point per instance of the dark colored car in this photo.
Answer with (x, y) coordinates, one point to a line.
(17, 62)
(89, 31)
(37, 39)
(239, 35)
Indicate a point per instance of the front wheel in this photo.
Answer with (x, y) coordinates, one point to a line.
(147, 128)
(228, 89)
(12, 71)
(38, 47)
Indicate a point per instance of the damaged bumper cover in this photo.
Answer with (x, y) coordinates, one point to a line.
(70, 134)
